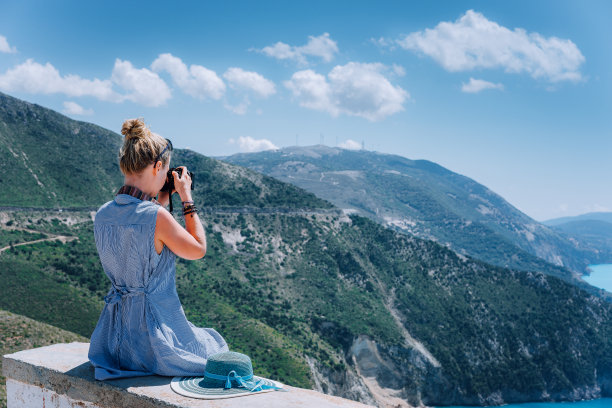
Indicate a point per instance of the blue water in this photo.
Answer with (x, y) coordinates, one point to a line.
(598, 403)
(601, 276)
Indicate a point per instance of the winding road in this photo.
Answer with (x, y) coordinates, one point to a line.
(62, 238)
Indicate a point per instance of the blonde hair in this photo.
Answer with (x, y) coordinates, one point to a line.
(140, 147)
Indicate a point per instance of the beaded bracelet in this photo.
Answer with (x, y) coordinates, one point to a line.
(189, 209)
(187, 202)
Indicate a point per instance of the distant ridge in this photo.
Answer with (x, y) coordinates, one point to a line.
(425, 199)
(592, 228)
(596, 216)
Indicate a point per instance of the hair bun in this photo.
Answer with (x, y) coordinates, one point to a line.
(134, 129)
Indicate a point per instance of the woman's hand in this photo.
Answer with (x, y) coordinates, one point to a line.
(182, 184)
(188, 242)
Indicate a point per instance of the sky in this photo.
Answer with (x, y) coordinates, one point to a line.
(515, 95)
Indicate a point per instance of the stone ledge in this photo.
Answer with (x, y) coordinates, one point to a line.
(63, 370)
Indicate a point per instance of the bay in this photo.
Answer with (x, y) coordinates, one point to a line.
(598, 403)
(600, 276)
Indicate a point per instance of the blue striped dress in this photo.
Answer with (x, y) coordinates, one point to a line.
(142, 329)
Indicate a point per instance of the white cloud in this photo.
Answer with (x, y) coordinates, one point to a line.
(350, 144)
(474, 42)
(5, 47)
(596, 208)
(398, 70)
(356, 89)
(36, 78)
(477, 85)
(312, 91)
(563, 207)
(383, 43)
(249, 80)
(145, 86)
(239, 109)
(73, 108)
(197, 81)
(248, 144)
(322, 47)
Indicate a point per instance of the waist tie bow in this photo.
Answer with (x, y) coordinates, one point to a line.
(114, 297)
(118, 292)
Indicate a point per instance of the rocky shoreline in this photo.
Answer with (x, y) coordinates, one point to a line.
(405, 377)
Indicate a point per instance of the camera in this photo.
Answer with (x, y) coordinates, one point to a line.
(169, 185)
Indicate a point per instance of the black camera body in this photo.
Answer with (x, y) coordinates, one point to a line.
(169, 185)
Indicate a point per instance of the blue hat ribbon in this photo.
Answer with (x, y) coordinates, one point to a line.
(259, 386)
(229, 377)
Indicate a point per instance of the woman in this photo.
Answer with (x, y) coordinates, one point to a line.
(142, 329)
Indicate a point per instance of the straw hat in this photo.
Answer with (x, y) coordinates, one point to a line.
(227, 374)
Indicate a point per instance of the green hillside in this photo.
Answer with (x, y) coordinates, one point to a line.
(299, 286)
(310, 285)
(44, 153)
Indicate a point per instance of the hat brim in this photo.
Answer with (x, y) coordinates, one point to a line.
(193, 387)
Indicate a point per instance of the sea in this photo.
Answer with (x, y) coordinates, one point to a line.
(598, 403)
(601, 277)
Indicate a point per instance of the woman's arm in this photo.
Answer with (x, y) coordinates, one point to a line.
(188, 242)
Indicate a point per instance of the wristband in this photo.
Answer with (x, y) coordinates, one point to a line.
(189, 209)
(190, 212)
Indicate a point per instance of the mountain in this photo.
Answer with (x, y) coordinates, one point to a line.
(589, 230)
(316, 297)
(52, 161)
(595, 229)
(40, 169)
(594, 216)
(422, 198)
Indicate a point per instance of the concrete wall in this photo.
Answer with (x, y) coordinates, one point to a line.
(60, 376)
